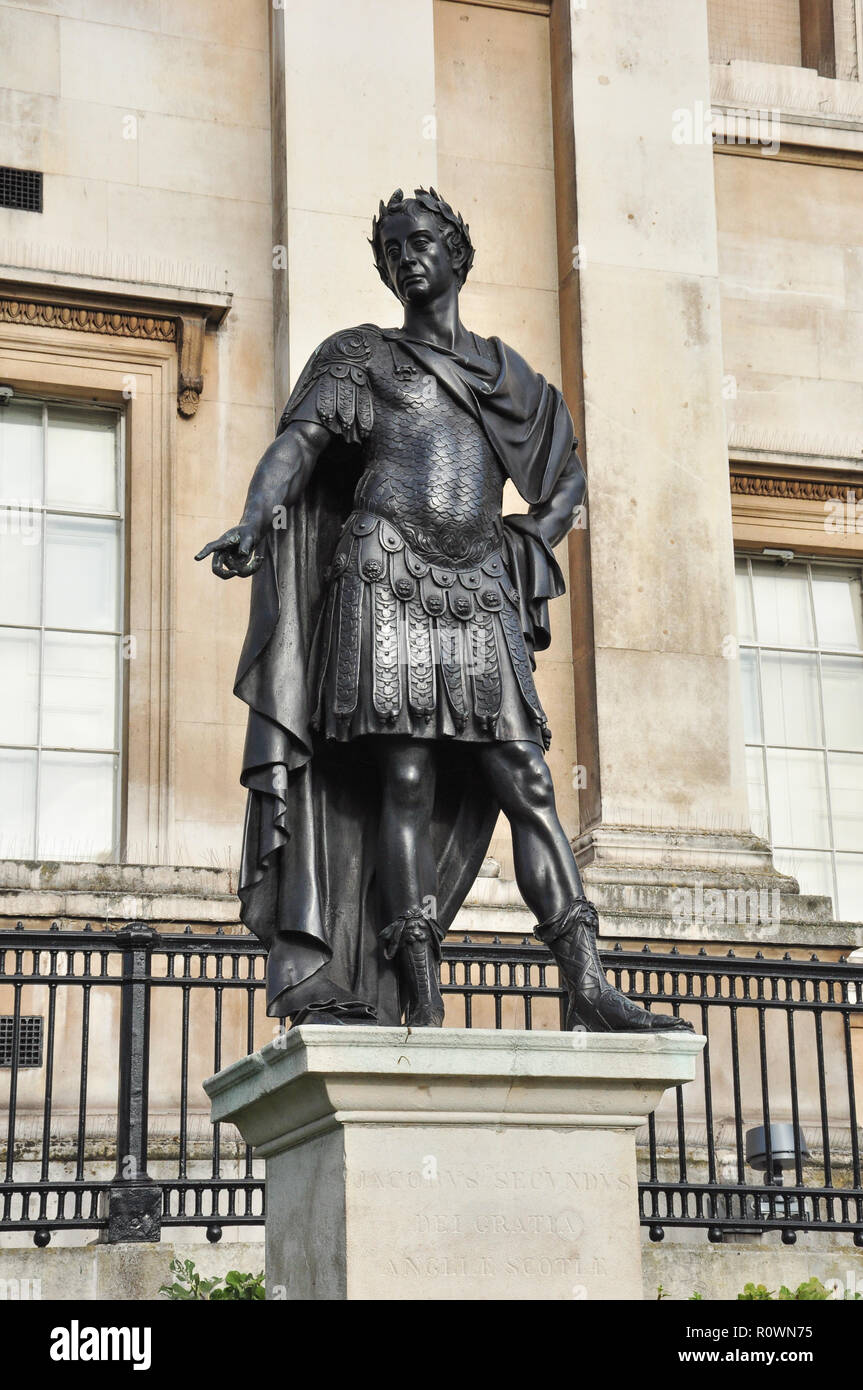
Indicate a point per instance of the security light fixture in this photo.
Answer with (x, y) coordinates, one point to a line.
(773, 1150)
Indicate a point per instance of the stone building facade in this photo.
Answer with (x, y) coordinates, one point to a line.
(665, 200)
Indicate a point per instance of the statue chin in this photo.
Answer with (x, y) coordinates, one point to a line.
(417, 295)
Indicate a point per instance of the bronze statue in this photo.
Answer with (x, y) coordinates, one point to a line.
(388, 661)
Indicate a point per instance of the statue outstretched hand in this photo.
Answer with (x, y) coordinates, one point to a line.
(234, 554)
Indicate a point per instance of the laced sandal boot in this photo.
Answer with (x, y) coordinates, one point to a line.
(413, 941)
(595, 1006)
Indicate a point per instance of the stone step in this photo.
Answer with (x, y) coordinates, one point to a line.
(673, 907)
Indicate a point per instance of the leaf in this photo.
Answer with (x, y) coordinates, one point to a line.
(812, 1291)
(175, 1291)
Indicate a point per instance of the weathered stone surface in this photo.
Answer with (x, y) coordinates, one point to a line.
(465, 1164)
(721, 1271)
(129, 1273)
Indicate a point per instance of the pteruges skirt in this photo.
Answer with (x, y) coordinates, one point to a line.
(407, 647)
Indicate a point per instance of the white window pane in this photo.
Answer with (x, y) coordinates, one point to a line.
(19, 686)
(842, 678)
(798, 798)
(757, 791)
(846, 799)
(79, 691)
(849, 872)
(80, 459)
(82, 572)
(749, 689)
(20, 566)
(21, 455)
(782, 609)
(790, 690)
(17, 804)
(76, 806)
(743, 588)
(814, 872)
(838, 608)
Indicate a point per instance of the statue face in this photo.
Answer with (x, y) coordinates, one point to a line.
(417, 257)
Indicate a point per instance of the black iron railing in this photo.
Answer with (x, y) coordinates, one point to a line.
(112, 1133)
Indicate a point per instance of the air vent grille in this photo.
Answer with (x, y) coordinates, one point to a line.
(21, 189)
(29, 1040)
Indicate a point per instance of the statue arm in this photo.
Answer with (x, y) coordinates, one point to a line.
(283, 472)
(278, 481)
(555, 517)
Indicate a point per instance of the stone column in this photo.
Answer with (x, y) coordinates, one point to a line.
(455, 1164)
(658, 707)
(353, 99)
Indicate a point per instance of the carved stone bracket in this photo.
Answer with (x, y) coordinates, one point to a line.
(183, 320)
(190, 346)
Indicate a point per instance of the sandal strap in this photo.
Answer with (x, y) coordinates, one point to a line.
(581, 912)
(418, 924)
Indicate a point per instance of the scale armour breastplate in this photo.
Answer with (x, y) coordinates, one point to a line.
(421, 634)
(431, 471)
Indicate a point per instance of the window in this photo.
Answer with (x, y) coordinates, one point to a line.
(801, 658)
(61, 624)
(767, 31)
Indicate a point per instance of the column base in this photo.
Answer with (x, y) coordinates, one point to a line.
(468, 1164)
(695, 885)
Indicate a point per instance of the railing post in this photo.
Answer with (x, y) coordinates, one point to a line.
(135, 1200)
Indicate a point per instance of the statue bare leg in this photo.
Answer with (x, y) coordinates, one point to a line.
(407, 875)
(549, 881)
(407, 872)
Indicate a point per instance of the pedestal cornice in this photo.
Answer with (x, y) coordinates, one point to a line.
(321, 1078)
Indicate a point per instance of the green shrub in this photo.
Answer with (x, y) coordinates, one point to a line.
(755, 1293)
(189, 1284)
(811, 1291)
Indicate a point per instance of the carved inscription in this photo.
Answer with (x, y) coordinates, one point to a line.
(494, 1179)
(499, 1225)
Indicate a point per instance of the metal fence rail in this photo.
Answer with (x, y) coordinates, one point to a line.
(110, 1131)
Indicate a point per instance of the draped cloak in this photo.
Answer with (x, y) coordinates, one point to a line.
(307, 876)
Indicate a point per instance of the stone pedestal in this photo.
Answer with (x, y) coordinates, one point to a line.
(451, 1164)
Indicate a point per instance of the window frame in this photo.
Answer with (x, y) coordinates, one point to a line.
(823, 749)
(138, 377)
(121, 515)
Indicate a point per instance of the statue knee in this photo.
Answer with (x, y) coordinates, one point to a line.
(532, 788)
(409, 785)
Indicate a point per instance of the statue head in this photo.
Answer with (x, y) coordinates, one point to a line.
(429, 211)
